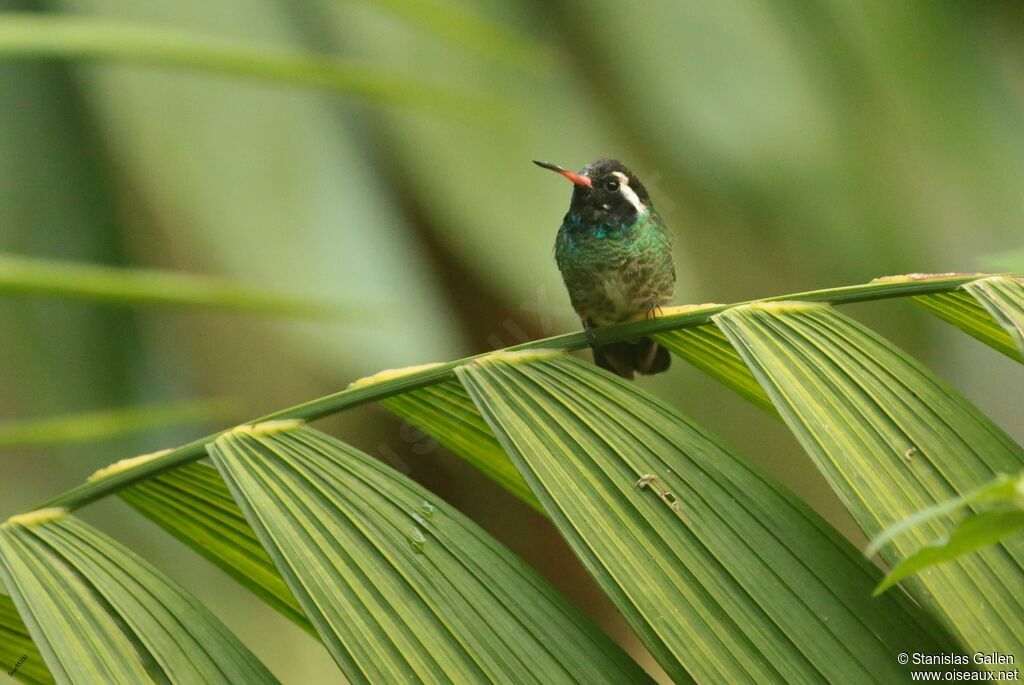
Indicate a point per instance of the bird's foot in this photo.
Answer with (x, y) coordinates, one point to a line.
(588, 329)
(651, 311)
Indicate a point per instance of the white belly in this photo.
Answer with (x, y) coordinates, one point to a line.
(621, 293)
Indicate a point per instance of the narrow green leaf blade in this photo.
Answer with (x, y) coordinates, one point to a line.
(28, 35)
(989, 308)
(150, 287)
(99, 614)
(725, 577)
(399, 585)
(970, 535)
(709, 350)
(109, 423)
(964, 312)
(193, 504)
(891, 439)
(1003, 490)
(16, 644)
(1003, 298)
(446, 413)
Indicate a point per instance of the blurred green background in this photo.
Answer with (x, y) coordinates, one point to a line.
(791, 146)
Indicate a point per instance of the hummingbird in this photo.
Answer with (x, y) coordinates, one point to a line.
(615, 255)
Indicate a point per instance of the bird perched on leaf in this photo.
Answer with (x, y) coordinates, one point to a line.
(615, 255)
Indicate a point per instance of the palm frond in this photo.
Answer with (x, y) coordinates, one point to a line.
(724, 576)
(891, 439)
(16, 647)
(193, 504)
(391, 383)
(990, 309)
(99, 614)
(446, 413)
(1001, 505)
(404, 586)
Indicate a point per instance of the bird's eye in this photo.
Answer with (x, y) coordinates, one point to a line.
(611, 185)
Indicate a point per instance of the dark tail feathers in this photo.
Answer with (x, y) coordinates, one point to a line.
(643, 356)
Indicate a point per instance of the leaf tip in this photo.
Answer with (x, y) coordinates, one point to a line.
(126, 464)
(37, 517)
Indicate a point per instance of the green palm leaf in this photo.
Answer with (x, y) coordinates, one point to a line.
(725, 577)
(446, 413)
(193, 504)
(963, 311)
(891, 439)
(991, 309)
(970, 535)
(15, 643)
(392, 383)
(1002, 515)
(708, 349)
(398, 584)
(1003, 298)
(99, 614)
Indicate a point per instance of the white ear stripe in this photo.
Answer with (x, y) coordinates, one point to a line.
(629, 193)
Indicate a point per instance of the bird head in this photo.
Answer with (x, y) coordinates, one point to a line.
(605, 192)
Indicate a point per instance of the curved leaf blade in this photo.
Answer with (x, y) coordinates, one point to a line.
(891, 439)
(989, 308)
(193, 504)
(1003, 298)
(397, 583)
(970, 535)
(964, 312)
(152, 287)
(404, 380)
(99, 614)
(109, 423)
(29, 35)
(1003, 490)
(725, 577)
(1002, 500)
(706, 348)
(16, 643)
(446, 413)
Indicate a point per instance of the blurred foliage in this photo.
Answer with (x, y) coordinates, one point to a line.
(789, 146)
(106, 424)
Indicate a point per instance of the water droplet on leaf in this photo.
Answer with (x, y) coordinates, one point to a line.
(417, 539)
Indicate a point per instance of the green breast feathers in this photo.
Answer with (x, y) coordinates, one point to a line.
(614, 272)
